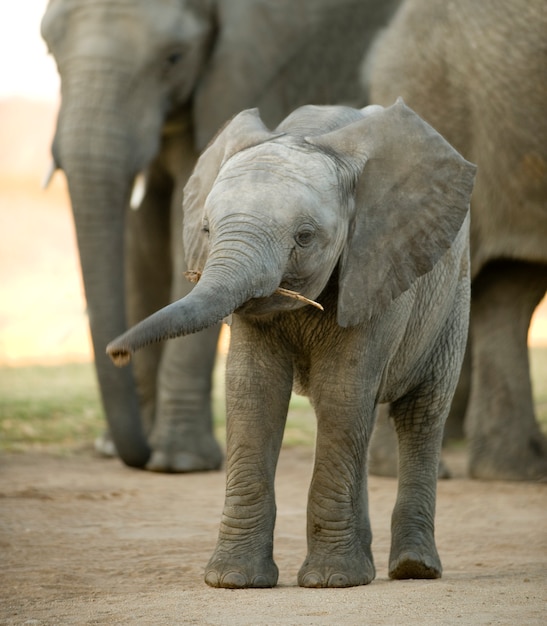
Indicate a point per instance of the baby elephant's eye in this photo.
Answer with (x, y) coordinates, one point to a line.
(305, 236)
(205, 226)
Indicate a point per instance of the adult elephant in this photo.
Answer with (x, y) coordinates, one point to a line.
(476, 72)
(144, 87)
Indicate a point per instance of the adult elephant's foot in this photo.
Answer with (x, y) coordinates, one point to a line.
(200, 453)
(184, 442)
(322, 571)
(105, 446)
(524, 460)
(241, 571)
(415, 564)
(196, 453)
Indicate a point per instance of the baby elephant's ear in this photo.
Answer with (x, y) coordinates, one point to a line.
(412, 197)
(246, 129)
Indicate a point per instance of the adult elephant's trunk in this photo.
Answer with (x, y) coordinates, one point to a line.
(229, 280)
(92, 147)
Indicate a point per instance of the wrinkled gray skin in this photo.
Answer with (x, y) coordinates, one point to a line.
(366, 212)
(476, 72)
(145, 85)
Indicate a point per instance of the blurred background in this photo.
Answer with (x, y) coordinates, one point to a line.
(42, 308)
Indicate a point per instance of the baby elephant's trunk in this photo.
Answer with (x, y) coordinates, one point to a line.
(218, 293)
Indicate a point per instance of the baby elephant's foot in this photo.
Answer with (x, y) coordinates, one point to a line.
(415, 564)
(237, 572)
(321, 571)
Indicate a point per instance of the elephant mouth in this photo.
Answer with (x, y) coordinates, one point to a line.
(282, 299)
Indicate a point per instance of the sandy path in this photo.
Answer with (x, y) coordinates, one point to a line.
(88, 541)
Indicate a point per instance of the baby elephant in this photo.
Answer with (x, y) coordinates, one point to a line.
(364, 214)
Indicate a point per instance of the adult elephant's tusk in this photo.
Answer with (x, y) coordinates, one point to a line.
(138, 191)
(49, 174)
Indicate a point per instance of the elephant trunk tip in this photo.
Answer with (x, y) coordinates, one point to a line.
(120, 356)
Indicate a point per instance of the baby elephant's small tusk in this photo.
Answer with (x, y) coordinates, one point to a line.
(298, 296)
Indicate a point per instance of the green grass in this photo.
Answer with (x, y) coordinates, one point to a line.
(58, 407)
(41, 406)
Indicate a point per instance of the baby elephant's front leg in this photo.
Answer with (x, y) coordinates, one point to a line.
(257, 401)
(339, 534)
(244, 553)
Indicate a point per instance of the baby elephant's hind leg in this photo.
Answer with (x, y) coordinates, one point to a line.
(413, 551)
(419, 419)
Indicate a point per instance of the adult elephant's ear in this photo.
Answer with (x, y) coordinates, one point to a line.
(245, 130)
(412, 196)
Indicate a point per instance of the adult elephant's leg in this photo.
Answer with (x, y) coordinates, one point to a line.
(382, 457)
(182, 438)
(506, 442)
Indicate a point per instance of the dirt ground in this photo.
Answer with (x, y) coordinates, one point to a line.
(85, 540)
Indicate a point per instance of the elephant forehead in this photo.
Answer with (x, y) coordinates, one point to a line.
(290, 168)
(254, 196)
